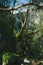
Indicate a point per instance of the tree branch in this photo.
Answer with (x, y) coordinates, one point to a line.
(19, 6)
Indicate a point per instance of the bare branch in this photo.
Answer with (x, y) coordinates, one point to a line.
(25, 20)
(19, 6)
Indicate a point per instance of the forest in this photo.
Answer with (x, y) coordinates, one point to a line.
(21, 32)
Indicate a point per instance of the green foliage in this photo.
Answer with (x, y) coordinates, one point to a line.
(17, 41)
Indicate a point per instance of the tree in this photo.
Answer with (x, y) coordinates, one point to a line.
(36, 1)
(20, 35)
(5, 2)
